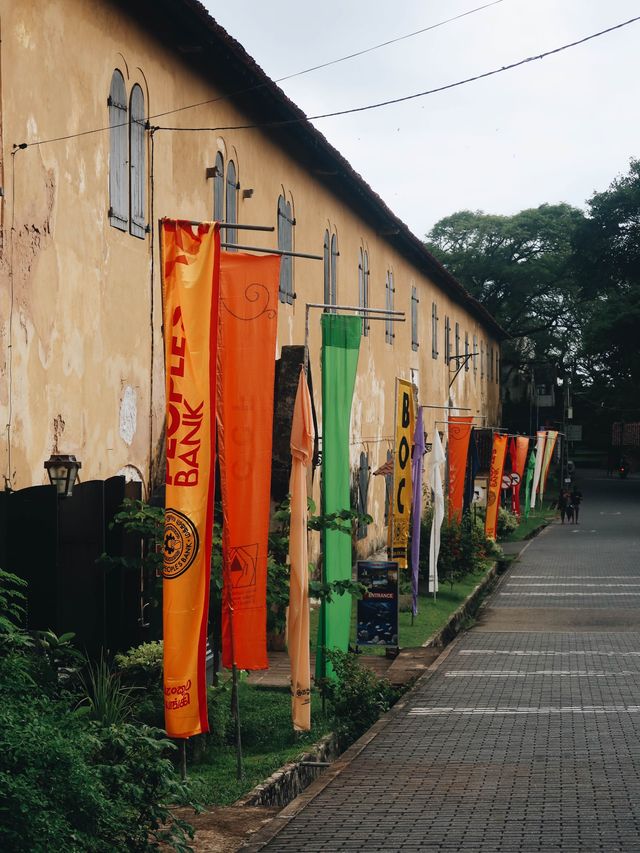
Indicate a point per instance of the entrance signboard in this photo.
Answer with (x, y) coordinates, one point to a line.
(378, 607)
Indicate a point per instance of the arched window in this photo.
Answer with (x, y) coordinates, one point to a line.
(138, 160)
(218, 189)
(334, 270)
(414, 319)
(366, 323)
(285, 243)
(389, 334)
(231, 213)
(434, 330)
(118, 153)
(326, 269)
(363, 291)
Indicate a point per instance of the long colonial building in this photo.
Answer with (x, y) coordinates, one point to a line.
(96, 98)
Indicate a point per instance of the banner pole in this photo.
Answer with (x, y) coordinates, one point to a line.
(235, 700)
(183, 759)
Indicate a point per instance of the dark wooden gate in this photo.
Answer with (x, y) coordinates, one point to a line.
(56, 545)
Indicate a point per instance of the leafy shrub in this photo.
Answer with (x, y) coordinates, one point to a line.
(507, 522)
(357, 697)
(464, 548)
(70, 783)
(104, 698)
(141, 666)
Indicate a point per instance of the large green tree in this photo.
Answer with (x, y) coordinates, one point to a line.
(607, 259)
(521, 268)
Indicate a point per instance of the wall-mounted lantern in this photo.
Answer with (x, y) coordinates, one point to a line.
(62, 469)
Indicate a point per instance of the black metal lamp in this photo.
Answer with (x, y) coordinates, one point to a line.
(62, 469)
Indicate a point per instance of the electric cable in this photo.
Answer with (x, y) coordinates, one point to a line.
(350, 111)
(248, 89)
(404, 98)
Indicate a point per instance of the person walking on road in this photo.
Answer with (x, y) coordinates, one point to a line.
(563, 501)
(576, 499)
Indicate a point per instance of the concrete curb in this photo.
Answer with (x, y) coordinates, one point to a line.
(446, 634)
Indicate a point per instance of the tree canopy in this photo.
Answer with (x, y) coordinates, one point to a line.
(521, 268)
(564, 283)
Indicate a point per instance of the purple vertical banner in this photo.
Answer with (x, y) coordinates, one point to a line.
(416, 506)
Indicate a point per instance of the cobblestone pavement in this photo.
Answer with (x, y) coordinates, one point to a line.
(520, 740)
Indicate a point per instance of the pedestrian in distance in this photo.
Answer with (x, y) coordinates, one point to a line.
(563, 500)
(569, 509)
(576, 500)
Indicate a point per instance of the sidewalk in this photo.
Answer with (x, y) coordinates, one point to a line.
(525, 736)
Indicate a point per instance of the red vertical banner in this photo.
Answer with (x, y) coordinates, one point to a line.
(246, 372)
(498, 453)
(191, 259)
(459, 434)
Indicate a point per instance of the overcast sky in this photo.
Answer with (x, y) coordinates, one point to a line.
(554, 130)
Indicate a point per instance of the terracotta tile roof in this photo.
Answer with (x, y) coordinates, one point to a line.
(188, 26)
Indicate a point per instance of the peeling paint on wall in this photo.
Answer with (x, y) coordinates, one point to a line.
(128, 414)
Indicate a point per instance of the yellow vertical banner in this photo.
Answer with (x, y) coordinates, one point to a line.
(402, 489)
(498, 453)
(190, 272)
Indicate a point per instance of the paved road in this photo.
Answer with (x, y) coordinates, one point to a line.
(527, 736)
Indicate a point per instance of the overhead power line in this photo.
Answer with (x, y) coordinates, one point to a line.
(390, 41)
(404, 98)
(248, 89)
(331, 62)
(352, 110)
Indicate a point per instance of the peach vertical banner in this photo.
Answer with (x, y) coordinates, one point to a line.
(302, 437)
(459, 434)
(522, 449)
(246, 372)
(498, 453)
(191, 258)
(552, 437)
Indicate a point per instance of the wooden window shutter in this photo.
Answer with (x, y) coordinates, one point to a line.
(365, 275)
(118, 153)
(137, 162)
(414, 319)
(231, 214)
(334, 269)
(326, 269)
(218, 189)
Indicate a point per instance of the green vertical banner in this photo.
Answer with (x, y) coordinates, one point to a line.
(340, 347)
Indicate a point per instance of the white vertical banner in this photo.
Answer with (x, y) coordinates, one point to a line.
(435, 481)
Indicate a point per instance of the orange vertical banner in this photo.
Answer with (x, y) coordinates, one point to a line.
(459, 434)
(191, 259)
(302, 437)
(522, 449)
(498, 453)
(246, 372)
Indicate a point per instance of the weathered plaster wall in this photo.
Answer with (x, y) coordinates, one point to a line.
(86, 344)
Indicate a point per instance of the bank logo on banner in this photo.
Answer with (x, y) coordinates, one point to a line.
(402, 490)
(181, 543)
